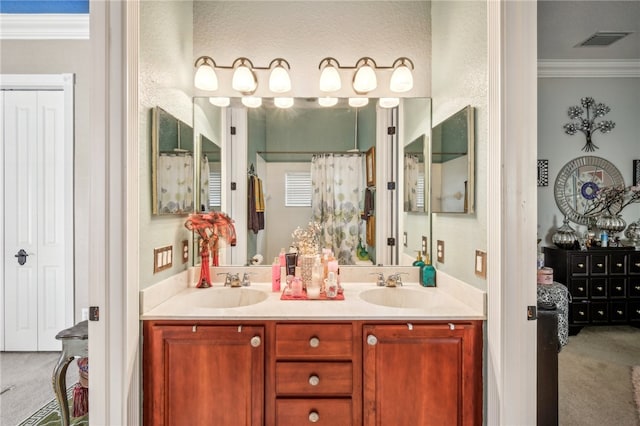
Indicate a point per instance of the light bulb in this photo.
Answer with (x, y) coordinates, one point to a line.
(365, 79)
(220, 101)
(206, 78)
(327, 101)
(358, 102)
(251, 101)
(330, 79)
(389, 102)
(401, 79)
(283, 102)
(243, 80)
(279, 81)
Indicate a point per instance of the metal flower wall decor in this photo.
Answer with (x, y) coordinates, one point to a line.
(587, 124)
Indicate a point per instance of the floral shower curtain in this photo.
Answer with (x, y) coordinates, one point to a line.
(410, 182)
(175, 183)
(204, 183)
(338, 188)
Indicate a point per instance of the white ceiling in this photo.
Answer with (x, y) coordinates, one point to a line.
(564, 24)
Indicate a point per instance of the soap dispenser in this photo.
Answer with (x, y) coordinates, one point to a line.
(418, 262)
(427, 273)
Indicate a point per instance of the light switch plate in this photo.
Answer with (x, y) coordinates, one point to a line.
(481, 264)
(162, 258)
(424, 245)
(440, 251)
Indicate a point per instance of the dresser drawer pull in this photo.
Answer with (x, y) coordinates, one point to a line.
(619, 265)
(314, 342)
(581, 288)
(372, 340)
(618, 288)
(619, 312)
(637, 311)
(314, 380)
(601, 313)
(638, 287)
(637, 264)
(599, 265)
(581, 265)
(256, 341)
(581, 313)
(314, 417)
(599, 288)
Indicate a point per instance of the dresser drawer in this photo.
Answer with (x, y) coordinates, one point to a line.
(634, 263)
(328, 412)
(578, 288)
(618, 263)
(634, 311)
(598, 288)
(618, 312)
(578, 264)
(314, 341)
(599, 312)
(314, 378)
(634, 287)
(617, 288)
(580, 313)
(599, 264)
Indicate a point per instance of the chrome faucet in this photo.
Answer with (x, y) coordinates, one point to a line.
(245, 279)
(380, 281)
(395, 280)
(231, 279)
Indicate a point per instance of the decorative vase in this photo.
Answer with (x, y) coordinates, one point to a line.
(306, 268)
(565, 237)
(611, 223)
(633, 232)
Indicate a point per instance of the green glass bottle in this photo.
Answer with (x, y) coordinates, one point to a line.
(427, 273)
(418, 262)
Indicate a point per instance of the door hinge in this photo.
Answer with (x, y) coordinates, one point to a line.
(391, 241)
(94, 313)
(532, 314)
(233, 186)
(233, 130)
(391, 185)
(391, 130)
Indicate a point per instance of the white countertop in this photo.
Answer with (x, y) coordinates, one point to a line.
(432, 303)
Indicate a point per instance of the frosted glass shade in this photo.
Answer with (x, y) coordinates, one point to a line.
(206, 78)
(365, 79)
(401, 79)
(389, 102)
(279, 81)
(330, 79)
(283, 102)
(243, 80)
(358, 102)
(327, 101)
(251, 101)
(220, 101)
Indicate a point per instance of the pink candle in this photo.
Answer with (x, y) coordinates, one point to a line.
(332, 266)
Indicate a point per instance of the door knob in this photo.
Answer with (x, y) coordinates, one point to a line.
(22, 256)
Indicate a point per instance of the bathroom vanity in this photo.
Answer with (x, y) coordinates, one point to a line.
(382, 356)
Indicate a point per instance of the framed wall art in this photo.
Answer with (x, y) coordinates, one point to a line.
(636, 172)
(371, 166)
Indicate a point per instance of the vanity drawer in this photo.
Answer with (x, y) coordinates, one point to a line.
(314, 341)
(314, 378)
(328, 412)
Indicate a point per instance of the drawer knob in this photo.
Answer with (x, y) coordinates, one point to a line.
(581, 288)
(619, 265)
(581, 313)
(256, 341)
(599, 288)
(638, 287)
(314, 417)
(618, 288)
(372, 340)
(637, 264)
(601, 313)
(599, 265)
(581, 265)
(619, 312)
(314, 342)
(314, 380)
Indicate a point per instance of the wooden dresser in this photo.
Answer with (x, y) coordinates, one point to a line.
(604, 284)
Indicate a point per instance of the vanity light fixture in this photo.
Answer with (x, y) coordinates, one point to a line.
(220, 101)
(244, 78)
(283, 102)
(388, 102)
(252, 101)
(327, 101)
(365, 79)
(358, 102)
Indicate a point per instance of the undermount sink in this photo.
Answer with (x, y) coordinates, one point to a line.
(225, 297)
(398, 297)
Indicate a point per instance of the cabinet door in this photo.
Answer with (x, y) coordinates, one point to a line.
(204, 375)
(422, 374)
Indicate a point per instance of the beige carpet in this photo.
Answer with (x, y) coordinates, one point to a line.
(595, 377)
(635, 379)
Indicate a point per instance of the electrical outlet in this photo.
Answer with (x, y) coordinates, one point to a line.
(162, 258)
(424, 245)
(440, 251)
(481, 264)
(185, 251)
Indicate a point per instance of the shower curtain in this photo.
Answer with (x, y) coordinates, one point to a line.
(410, 182)
(175, 183)
(338, 188)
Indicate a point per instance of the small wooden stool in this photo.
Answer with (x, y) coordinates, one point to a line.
(74, 345)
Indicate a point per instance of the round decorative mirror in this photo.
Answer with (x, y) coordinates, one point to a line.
(577, 185)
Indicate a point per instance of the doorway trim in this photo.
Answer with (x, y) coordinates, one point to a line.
(65, 83)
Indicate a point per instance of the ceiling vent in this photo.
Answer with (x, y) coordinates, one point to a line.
(604, 38)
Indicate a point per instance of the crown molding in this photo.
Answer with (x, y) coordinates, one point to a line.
(625, 68)
(44, 26)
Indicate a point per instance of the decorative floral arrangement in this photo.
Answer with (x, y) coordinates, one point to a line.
(307, 240)
(612, 199)
(588, 125)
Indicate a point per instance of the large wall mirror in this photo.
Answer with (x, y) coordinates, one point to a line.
(452, 164)
(282, 149)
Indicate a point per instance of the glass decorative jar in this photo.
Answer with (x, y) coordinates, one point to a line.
(612, 223)
(565, 236)
(633, 232)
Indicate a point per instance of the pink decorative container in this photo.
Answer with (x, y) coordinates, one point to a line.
(545, 275)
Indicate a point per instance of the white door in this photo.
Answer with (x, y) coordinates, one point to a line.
(36, 200)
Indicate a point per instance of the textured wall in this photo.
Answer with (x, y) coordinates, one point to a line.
(459, 79)
(620, 146)
(304, 32)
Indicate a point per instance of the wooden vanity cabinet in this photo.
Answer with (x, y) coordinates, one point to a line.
(203, 373)
(422, 374)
